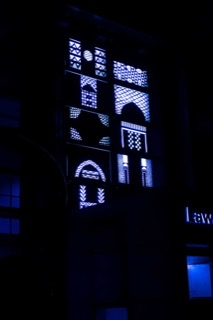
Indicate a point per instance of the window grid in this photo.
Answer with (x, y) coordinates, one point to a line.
(130, 74)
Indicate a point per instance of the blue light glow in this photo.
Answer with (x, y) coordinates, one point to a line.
(123, 168)
(130, 74)
(100, 62)
(112, 314)
(199, 276)
(9, 226)
(88, 92)
(75, 54)
(9, 191)
(93, 174)
(124, 96)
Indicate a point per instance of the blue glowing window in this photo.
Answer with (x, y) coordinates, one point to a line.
(199, 270)
(75, 54)
(112, 314)
(9, 191)
(100, 62)
(130, 74)
(124, 96)
(146, 172)
(90, 170)
(123, 168)
(9, 226)
(88, 92)
(133, 136)
(83, 201)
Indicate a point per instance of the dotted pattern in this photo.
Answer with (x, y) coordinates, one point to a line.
(124, 96)
(129, 74)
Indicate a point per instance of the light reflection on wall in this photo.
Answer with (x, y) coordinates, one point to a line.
(199, 271)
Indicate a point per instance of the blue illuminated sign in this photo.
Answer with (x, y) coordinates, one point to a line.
(198, 217)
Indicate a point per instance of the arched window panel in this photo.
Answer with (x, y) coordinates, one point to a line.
(134, 137)
(130, 74)
(89, 128)
(89, 164)
(128, 97)
(86, 92)
(89, 169)
(87, 59)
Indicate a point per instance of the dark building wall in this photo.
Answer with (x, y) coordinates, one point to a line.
(130, 252)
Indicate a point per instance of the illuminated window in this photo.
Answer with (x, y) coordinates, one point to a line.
(123, 168)
(124, 96)
(9, 191)
(112, 314)
(100, 62)
(146, 172)
(75, 54)
(129, 74)
(9, 226)
(133, 136)
(199, 269)
(88, 92)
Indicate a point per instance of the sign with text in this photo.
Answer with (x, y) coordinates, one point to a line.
(198, 217)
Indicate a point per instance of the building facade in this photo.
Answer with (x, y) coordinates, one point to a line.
(101, 212)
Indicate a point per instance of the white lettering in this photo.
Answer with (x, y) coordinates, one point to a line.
(197, 218)
(206, 218)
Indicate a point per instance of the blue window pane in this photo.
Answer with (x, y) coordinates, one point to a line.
(16, 186)
(4, 201)
(15, 202)
(112, 314)
(15, 226)
(4, 184)
(4, 225)
(199, 276)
